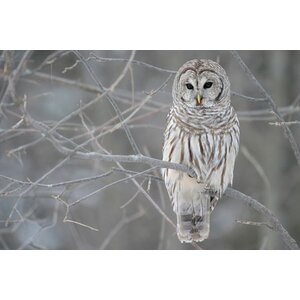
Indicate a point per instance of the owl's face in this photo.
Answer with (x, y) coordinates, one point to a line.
(200, 84)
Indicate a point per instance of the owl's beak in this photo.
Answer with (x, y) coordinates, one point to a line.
(198, 99)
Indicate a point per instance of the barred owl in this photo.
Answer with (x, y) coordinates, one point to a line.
(202, 133)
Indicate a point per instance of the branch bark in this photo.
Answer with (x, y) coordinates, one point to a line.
(277, 227)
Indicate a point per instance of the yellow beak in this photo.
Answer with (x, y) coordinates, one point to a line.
(198, 99)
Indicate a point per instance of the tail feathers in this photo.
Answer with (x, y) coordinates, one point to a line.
(193, 224)
(193, 228)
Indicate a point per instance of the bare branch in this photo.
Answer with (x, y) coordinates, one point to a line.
(257, 167)
(285, 123)
(162, 164)
(277, 227)
(252, 223)
(248, 97)
(266, 114)
(14, 77)
(52, 185)
(50, 59)
(109, 98)
(106, 59)
(66, 220)
(109, 185)
(124, 221)
(230, 192)
(83, 141)
(133, 197)
(287, 132)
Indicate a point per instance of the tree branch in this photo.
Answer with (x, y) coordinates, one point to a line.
(110, 99)
(287, 239)
(287, 131)
(14, 77)
(277, 227)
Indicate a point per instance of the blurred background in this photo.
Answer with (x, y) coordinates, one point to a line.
(52, 199)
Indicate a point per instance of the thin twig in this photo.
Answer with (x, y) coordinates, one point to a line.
(124, 221)
(14, 77)
(109, 185)
(248, 97)
(50, 59)
(252, 223)
(137, 62)
(287, 132)
(52, 185)
(133, 197)
(257, 167)
(109, 98)
(80, 224)
(277, 227)
(77, 111)
(285, 123)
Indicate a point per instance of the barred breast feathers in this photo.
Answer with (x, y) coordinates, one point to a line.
(217, 120)
(210, 148)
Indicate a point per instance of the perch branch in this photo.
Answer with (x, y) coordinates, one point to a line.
(287, 239)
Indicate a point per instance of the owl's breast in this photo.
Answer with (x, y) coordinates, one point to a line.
(210, 154)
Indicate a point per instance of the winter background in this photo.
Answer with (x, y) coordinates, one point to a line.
(55, 200)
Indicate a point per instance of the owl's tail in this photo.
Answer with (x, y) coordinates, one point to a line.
(193, 224)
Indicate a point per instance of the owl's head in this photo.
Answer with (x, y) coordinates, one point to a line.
(201, 83)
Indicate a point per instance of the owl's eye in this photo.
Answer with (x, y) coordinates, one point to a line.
(208, 84)
(189, 86)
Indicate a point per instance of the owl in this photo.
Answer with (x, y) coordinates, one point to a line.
(202, 133)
